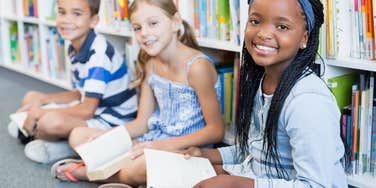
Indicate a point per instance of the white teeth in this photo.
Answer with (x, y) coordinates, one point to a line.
(265, 48)
(148, 43)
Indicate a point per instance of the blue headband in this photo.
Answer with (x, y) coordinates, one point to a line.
(308, 11)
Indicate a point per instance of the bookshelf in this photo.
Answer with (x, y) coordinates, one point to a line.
(13, 54)
(35, 31)
(350, 48)
(25, 31)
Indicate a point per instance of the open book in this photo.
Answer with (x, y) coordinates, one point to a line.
(19, 118)
(106, 154)
(167, 169)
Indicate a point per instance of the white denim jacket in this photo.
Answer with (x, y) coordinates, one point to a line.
(309, 142)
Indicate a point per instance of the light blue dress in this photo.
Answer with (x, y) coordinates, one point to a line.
(178, 110)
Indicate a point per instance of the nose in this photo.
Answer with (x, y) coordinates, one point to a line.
(144, 31)
(265, 33)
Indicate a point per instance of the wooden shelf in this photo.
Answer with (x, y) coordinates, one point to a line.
(31, 20)
(10, 18)
(217, 44)
(353, 63)
(49, 23)
(362, 181)
(123, 32)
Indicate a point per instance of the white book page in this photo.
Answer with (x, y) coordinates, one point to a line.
(20, 117)
(171, 170)
(105, 148)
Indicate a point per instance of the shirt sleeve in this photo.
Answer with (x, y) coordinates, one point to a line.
(312, 123)
(228, 154)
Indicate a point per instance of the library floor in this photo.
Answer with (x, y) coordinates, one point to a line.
(15, 169)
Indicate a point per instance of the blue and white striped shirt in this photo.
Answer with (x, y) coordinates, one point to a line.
(99, 71)
(309, 143)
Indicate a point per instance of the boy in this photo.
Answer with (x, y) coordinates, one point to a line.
(100, 77)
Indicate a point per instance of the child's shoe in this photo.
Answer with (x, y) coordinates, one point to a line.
(42, 151)
(13, 129)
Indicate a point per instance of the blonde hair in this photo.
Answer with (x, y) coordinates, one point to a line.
(186, 36)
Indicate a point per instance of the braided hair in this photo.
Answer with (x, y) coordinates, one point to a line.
(250, 77)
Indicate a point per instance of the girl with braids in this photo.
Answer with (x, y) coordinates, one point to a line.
(287, 132)
(179, 104)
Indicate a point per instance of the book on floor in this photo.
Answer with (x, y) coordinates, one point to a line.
(19, 118)
(106, 154)
(167, 169)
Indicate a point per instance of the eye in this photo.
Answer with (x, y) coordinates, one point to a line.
(135, 29)
(77, 13)
(61, 12)
(254, 21)
(153, 24)
(282, 27)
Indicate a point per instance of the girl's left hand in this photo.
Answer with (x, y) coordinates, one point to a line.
(138, 149)
(224, 181)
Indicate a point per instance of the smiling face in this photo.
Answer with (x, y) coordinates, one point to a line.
(153, 29)
(275, 31)
(74, 20)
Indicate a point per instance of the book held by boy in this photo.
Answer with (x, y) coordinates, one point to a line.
(19, 118)
(106, 154)
(171, 170)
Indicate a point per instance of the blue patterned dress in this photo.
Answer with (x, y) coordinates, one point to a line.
(178, 110)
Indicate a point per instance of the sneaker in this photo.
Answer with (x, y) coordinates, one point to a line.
(42, 151)
(13, 129)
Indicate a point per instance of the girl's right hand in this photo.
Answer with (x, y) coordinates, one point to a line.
(191, 152)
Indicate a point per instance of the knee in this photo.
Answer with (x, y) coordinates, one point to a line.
(51, 123)
(77, 136)
(135, 175)
(30, 95)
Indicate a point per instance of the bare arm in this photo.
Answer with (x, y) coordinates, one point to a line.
(62, 97)
(34, 99)
(146, 107)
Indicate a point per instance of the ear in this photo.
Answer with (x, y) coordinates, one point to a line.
(177, 22)
(304, 41)
(94, 21)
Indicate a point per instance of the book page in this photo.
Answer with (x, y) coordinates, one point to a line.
(105, 148)
(171, 170)
(20, 117)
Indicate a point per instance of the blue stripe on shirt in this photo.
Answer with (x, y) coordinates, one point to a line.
(101, 74)
(118, 115)
(118, 99)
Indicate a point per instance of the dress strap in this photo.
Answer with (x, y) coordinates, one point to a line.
(193, 59)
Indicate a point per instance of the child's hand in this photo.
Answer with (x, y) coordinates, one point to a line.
(31, 121)
(191, 152)
(224, 181)
(138, 149)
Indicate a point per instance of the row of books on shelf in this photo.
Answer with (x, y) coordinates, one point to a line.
(357, 102)
(350, 29)
(228, 76)
(212, 19)
(115, 13)
(55, 66)
(30, 8)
